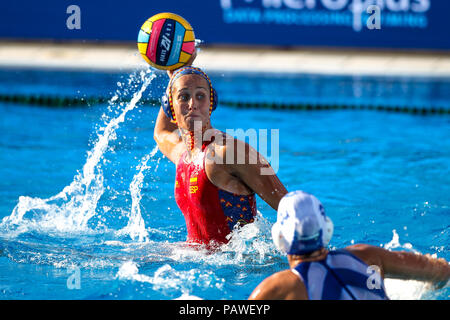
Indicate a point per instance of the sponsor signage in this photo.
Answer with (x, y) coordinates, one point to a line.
(389, 24)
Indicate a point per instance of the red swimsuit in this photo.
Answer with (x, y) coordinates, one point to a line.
(210, 213)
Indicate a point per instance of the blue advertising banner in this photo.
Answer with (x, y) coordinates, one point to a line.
(389, 24)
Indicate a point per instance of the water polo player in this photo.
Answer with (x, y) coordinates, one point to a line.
(213, 193)
(357, 272)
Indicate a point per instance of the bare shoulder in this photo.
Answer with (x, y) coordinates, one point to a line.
(216, 152)
(218, 168)
(361, 250)
(237, 167)
(223, 145)
(371, 255)
(283, 285)
(221, 141)
(232, 150)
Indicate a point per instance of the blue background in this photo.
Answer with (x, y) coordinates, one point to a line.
(115, 20)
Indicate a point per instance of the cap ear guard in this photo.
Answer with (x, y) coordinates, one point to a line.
(278, 239)
(166, 106)
(327, 231)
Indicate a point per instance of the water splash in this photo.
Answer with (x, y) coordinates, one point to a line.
(208, 272)
(395, 243)
(253, 242)
(397, 289)
(406, 289)
(168, 280)
(249, 244)
(70, 210)
(136, 225)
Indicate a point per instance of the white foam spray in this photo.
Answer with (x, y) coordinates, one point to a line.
(397, 289)
(249, 244)
(167, 280)
(70, 210)
(136, 225)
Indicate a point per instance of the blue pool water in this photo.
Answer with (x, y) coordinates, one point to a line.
(85, 194)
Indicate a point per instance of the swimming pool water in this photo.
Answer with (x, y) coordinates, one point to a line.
(85, 190)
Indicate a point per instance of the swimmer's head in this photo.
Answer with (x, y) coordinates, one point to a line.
(190, 96)
(302, 226)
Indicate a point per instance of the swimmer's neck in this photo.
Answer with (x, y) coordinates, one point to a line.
(194, 140)
(317, 255)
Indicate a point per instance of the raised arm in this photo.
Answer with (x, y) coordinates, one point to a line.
(166, 132)
(403, 265)
(167, 137)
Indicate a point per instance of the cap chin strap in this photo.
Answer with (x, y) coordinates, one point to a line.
(283, 245)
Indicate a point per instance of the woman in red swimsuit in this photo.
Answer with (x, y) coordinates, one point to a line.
(213, 193)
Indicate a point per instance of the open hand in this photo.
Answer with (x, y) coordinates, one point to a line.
(190, 61)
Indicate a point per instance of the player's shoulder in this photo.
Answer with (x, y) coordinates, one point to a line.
(279, 286)
(225, 146)
(368, 253)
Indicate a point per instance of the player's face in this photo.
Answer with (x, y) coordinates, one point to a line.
(191, 101)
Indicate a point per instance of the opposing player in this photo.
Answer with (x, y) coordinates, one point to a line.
(303, 231)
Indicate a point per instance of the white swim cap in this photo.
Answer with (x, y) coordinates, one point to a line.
(302, 226)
